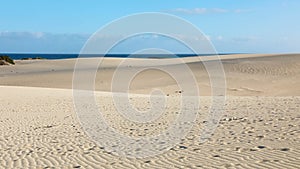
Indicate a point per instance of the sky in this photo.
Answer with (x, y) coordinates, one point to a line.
(233, 26)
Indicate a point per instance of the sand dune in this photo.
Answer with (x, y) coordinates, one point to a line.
(39, 129)
(258, 129)
(246, 75)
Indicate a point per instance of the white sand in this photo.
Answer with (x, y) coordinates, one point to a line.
(259, 128)
(246, 75)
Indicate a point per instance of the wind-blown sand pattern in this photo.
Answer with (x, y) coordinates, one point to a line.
(259, 127)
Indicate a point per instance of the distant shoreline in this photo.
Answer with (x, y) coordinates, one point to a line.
(19, 56)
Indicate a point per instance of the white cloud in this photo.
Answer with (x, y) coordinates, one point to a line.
(198, 10)
(41, 42)
(206, 10)
(220, 37)
(190, 11)
(219, 10)
(38, 34)
(6, 34)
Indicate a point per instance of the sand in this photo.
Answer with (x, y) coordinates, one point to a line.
(258, 129)
(246, 75)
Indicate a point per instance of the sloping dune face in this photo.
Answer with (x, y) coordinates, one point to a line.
(258, 128)
(246, 75)
(274, 75)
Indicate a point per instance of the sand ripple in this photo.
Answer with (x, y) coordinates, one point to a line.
(39, 130)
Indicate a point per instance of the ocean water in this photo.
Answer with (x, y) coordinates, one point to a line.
(18, 56)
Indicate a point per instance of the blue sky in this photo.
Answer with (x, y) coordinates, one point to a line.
(233, 26)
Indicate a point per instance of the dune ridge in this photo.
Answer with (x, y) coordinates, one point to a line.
(263, 75)
(259, 127)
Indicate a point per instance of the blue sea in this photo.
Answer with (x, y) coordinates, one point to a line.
(18, 56)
